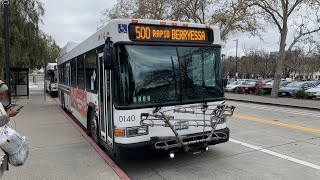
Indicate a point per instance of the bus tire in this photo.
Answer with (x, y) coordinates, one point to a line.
(93, 127)
(95, 131)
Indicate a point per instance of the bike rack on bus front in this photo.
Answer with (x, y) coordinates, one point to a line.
(217, 114)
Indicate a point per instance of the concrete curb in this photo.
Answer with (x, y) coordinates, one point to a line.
(108, 160)
(275, 104)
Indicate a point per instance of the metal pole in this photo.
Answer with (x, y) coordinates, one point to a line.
(6, 42)
(236, 58)
(44, 79)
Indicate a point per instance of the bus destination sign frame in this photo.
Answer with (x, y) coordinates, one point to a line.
(173, 34)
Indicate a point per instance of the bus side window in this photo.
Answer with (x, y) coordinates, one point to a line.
(80, 72)
(91, 71)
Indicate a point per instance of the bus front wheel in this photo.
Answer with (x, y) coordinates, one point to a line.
(94, 130)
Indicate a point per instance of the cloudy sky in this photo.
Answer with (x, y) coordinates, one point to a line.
(76, 20)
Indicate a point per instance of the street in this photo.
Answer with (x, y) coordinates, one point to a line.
(267, 142)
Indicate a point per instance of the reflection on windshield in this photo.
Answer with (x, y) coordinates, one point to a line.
(249, 83)
(152, 74)
(295, 84)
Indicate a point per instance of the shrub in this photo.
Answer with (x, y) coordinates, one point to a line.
(301, 95)
(260, 92)
(239, 90)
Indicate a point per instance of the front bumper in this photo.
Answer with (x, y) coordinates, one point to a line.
(312, 94)
(229, 89)
(153, 140)
(285, 93)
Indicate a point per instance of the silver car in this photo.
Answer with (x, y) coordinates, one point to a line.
(313, 91)
(232, 86)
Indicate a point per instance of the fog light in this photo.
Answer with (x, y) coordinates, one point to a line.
(223, 119)
(171, 155)
(207, 148)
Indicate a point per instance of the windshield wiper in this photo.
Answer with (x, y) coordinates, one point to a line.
(190, 83)
(159, 100)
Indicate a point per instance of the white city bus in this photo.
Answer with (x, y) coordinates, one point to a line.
(51, 79)
(147, 83)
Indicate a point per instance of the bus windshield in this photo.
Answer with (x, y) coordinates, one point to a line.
(53, 76)
(160, 74)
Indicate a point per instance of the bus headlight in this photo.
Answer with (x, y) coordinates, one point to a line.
(222, 120)
(137, 131)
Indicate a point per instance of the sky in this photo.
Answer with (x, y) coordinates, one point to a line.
(76, 20)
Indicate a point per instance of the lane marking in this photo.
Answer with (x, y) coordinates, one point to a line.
(302, 128)
(305, 163)
(286, 110)
(108, 160)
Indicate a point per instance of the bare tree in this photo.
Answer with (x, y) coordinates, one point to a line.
(230, 16)
(302, 14)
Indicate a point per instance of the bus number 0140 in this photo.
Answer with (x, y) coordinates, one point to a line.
(127, 118)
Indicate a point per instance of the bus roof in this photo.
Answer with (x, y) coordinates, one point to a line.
(72, 50)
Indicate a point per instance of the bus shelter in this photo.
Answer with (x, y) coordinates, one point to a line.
(19, 81)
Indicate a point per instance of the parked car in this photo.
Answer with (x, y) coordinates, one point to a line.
(313, 91)
(270, 83)
(292, 88)
(268, 88)
(315, 82)
(250, 86)
(318, 95)
(233, 85)
(265, 82)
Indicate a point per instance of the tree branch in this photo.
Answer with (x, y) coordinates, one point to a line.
(270, 13)
(296, 39)
(294, 6)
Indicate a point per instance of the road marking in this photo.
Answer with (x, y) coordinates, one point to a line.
(305, 163)
(302, 128)
(286, 110)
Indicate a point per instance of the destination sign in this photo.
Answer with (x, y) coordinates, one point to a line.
(160, 33)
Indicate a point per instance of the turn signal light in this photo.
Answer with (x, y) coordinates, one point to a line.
(135, 20)
(119, 132)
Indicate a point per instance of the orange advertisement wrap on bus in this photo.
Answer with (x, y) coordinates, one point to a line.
(79, 100)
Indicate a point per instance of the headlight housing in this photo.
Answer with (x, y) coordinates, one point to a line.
(137, 131)
(222, 120)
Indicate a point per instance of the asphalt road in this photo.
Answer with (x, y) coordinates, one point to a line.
(267, 142)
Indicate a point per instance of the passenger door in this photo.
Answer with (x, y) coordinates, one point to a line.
(105, 99)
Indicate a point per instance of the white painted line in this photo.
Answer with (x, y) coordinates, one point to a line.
(279, 109)
(314, 166)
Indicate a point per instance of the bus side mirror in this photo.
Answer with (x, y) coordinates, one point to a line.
(108, 55)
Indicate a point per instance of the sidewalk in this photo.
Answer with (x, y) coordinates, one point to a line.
(289, 102)
(57, 148)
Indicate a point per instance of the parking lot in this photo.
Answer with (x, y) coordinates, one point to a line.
(287, 88)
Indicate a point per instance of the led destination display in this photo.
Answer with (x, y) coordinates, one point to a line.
(143, 32)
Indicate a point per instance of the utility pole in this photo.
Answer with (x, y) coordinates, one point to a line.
(6, 41)
(236, 58)
(44, 79)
